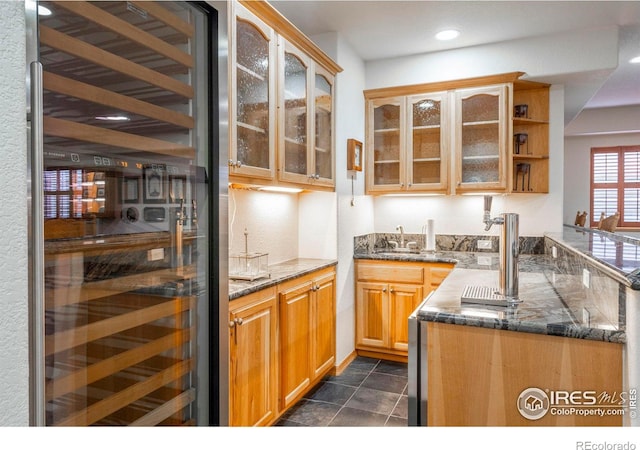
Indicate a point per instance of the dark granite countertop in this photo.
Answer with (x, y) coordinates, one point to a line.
(544, 310)
(280, 273)
(618, 255)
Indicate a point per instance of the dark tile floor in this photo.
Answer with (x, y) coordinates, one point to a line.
(368, 393)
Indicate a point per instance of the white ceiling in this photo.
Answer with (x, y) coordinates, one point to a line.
(379, 29)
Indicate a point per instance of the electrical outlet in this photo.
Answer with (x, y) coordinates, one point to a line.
(484, 260)
(586, 278)
(554, 251)
(484, 244)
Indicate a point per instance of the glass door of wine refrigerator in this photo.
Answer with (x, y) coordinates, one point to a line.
(125, 152)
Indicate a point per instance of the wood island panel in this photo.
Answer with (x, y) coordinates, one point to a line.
(475, 375)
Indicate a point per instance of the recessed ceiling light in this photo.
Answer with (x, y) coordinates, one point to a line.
(447, 35)
(635, 60)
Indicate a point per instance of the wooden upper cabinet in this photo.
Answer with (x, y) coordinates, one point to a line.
(253, 106)
(481, 139)
(458, 136)
(323, 145)
(305, 119)
(428, 143)
(386, 159)
(294, 114)
(530, 171)
(282, 103)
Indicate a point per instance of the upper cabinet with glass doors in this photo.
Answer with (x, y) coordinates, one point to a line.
(253, 136)
(480, 137)
(409, 142)
(458, 137)
(281, 108)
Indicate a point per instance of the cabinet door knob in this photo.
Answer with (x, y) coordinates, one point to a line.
(239, 321)
(232, 324)
(384, 289)
(392, 290)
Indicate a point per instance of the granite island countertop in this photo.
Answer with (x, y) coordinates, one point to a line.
(279, 273)
(544, 310)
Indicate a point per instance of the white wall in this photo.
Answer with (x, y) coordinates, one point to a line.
(14, 337)
(354, 218)
(270, 219)
(602, 127)
(317, 225)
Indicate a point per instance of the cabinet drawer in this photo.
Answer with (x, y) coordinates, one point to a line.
(392, 273)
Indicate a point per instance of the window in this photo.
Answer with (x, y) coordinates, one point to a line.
(615, 184)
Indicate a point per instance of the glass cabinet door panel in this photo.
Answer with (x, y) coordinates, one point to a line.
(252, 96)
(323, 120)
(386, 143)
(481, 151)
(295, 114)
(426, 137)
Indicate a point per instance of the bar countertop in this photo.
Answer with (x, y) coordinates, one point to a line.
(553, 301)
(542, 310)
(279, 273)
(618, 255)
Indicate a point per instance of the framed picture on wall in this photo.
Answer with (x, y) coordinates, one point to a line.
(154, 184)
(354, 155)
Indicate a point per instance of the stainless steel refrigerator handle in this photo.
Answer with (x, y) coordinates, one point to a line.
(37, 248)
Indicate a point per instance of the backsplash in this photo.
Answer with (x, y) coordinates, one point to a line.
(444, 242)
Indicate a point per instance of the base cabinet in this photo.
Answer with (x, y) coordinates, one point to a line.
(282, 342)
(382, 311)
(307, 334)
(253, 360)
(387, 292)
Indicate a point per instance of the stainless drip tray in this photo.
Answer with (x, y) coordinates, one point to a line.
(486, 295)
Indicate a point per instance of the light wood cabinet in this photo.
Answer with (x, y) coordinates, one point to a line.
(458, 137)
(282, 342)
(481, 139)
(417, 124)
(530, 155)
(253, 386)
(281, 103)
(307, 333)
(305, 108)
(387, 292)
(253, 109)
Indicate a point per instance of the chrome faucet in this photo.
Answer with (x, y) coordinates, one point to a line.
(402, 246)
(401, 230)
